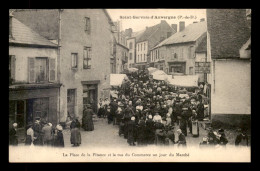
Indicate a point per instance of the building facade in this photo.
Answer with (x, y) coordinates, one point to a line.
(229, 47)
(149, 38)
(84, 37)
(176, 55)
(33, 84)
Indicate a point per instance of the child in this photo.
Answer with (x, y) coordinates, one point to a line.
(182, 140)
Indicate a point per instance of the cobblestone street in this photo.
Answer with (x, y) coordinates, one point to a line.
(106, 135)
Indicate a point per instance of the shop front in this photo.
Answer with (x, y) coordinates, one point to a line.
(90, 93)
(27, 103)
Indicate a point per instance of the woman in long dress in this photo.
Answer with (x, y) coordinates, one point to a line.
(87, 122)
(75, 137)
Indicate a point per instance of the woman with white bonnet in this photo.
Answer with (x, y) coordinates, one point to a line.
(131, 132)
(157, 118)
(59, 140)
(29, 135)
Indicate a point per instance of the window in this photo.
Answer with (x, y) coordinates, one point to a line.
(41, 69)
(144, 46)
(144, 57)
(131, 45)
(11, 68)
(141, 58)
(137, 58)
(130, 56)
(191, 71)
(87, 58)
(141, 46)
(138, 47)
(87, 25)
(74, 60)
(177, 68)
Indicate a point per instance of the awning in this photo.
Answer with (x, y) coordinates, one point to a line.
(117, 79)
(159, 75)
(132, 70)
(184, 81)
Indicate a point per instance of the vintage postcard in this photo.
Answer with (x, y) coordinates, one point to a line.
(129, 85)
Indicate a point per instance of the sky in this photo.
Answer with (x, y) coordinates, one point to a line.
(139, 19)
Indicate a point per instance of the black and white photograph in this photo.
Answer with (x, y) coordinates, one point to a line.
(129, 85)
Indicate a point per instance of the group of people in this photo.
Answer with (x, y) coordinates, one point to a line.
(148, 110)
(40, 133)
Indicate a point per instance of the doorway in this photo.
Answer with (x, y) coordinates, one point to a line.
(90, 96)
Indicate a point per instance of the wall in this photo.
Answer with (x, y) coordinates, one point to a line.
(73, 39)
(142, 51)
(132, 61)
(21, 62)
(231, 92)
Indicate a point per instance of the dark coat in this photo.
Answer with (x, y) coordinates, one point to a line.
(37, 129)
(241, 140)
(150, 131)
(131, 127)
(59, 140)
(200, 111)
(75, 137)
(182, 140)
(87, 122)
(141, 134)
(13, 137)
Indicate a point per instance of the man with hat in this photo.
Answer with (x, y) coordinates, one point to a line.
(37, 128)
(113, 108)
(47, 134)
(87, 121)
(12, 135)
(221, 137)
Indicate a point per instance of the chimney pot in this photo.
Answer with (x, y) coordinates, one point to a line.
(181, 26)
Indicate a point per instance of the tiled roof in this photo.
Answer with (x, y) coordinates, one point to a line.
(202, 47)
(24, 35)
(138, 34)
(229, 30)
(191, 33)
(147, 33)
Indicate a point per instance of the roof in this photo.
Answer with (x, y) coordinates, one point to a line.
(229, 35)
(147, 33)
(191, 33)
(22, 34)
(202, 47)
(137, 34)
(109, 17)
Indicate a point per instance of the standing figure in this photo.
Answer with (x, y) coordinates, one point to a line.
(242, 139)
(47, 134)
(87, 121)
(75, 137)
(29, 135)
(59, 140)
(37, 128)
(182, 140)
(141, 138)
(131, 132)
(12, 135)
(100, 108)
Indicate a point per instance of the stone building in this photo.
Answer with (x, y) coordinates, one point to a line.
(84, 37)
(33, 84)
(229, 48)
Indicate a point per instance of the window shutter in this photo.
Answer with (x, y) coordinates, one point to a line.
(52, 73)
(13, 67)
(31, 67)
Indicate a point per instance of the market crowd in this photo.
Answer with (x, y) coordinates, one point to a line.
(147, 111)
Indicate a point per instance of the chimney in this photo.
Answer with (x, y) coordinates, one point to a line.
(195, 22)
(10, 25)
(174, 26)
(181, 26)
(202, 19)
(128, 32)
